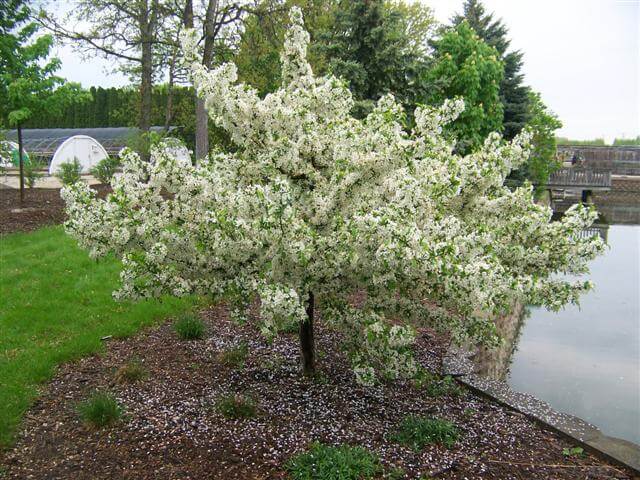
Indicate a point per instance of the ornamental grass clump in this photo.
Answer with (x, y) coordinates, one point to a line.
(417, 432)
(234, 356)
(236, 406)
(325, 462)
(131, 372)
(312, 206)
(189, 327)
(100, 410)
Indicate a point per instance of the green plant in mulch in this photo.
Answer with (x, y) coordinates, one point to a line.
(236, 406)
(69, 172)
(436, 386)
(32, 173)
(573, 452)
(417, 432)
(189, 327)
(131, 372)
(234, 356)
(105, 169)
(325, 462)
(100, 410)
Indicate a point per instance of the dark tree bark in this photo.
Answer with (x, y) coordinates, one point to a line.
(307, 343)
(21, 162)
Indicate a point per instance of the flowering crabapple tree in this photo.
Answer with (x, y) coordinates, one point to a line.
(314, 206)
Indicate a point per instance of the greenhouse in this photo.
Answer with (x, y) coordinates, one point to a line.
(42, 144)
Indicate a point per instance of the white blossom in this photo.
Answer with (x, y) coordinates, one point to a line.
(314, 200)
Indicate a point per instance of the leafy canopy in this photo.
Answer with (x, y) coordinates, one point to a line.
(466, 66)
(27, 81)
(315, 200)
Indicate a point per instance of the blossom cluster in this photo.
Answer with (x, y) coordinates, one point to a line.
(315, 200)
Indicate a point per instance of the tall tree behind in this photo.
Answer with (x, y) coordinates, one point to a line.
(124, 30)
(258, 57)
(28, 84)
(465, 66)
(372, 45)
(514, 95)
(219, 22)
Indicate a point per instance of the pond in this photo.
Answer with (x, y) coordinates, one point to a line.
(585, 360)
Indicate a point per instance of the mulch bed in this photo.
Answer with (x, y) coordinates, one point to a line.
(41, 207)
(171, 430)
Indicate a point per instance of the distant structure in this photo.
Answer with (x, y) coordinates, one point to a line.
(53, 146)
(87, 150)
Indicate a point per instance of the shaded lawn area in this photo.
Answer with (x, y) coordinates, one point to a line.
(55, 305)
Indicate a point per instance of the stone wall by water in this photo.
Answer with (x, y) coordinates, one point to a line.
(617, 160)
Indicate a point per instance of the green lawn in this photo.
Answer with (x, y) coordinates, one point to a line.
(55, 305)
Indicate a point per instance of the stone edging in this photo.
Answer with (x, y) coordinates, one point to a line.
(627, 454)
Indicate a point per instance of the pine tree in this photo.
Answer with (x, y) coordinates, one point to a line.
(369, 46)
(514, 95)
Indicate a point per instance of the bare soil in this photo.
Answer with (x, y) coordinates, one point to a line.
(172, 430)
(41, 207)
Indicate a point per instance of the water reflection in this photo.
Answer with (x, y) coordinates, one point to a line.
(584, 361)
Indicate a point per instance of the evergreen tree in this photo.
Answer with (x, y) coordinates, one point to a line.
(514, 95)
(370, 46)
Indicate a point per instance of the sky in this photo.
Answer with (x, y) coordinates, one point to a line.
(583, 56)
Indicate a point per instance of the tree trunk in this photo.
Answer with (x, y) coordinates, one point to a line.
(202, 129)
(21, 162)
(168, 117)
(202, 118)
(307, 345)
(145, 87)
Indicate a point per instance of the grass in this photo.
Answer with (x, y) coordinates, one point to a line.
(324, 462)
(417, 432)
(56, 305)
(100, 410)
(131, 372)
(236, 406)
(189, 327)
(235, 356)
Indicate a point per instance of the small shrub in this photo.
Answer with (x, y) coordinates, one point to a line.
(445, 386)
(324, 462)
(32, 173)
(100, 409)
(436, 386)
(573, 452)
(69, 172)
(105, 169)
(131, 372)
(189, 327)
(235, 356)
(236, 406)
(416, 432)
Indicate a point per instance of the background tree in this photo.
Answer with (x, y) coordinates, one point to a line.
(316, 206)
(465, 66)
(514, 95)
(258, 58)
(28, 85)
(521, 106)
(542, 161)
(374, 45)
(123, 30)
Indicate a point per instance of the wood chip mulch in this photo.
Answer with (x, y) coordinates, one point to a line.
(171, 429)
(41, 207)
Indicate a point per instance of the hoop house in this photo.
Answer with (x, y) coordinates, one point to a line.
(86, 149)
(9, 155)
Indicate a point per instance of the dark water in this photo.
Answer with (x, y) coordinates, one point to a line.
(585, 360)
